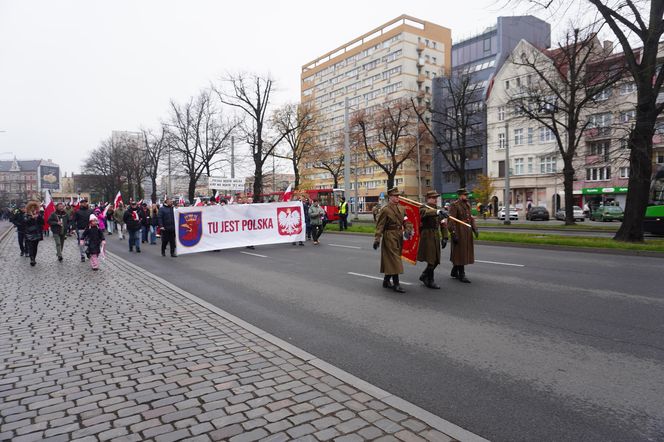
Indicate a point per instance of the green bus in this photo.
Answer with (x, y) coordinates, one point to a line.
(654, 220)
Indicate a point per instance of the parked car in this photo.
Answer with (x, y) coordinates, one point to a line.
(513, 213)
(607, 213)
(578, 214)
(538, 212)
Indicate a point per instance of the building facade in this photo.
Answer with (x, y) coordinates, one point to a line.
(397, 60)
(478, 57)
(22, 180)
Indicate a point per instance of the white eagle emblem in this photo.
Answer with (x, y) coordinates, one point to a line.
(290, 221)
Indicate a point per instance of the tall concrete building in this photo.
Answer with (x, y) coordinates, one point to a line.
(480, 56)
(397, 60)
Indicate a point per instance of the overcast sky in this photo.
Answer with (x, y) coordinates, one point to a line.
(73, 71)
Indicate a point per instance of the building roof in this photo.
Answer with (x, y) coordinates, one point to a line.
(23, 166)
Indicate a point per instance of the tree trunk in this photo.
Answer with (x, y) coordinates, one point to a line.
(154, 189)
(335, 185)
(390, 180)
(296, 172)
(192, 189)
(568, 185)
(258, 182)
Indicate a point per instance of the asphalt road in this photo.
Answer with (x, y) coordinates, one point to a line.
(543, 345)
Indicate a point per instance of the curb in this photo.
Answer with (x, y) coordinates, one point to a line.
(432, 420)
(6, 233)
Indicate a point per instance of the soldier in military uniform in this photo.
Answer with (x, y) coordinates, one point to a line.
(463, 252)
(433, 236)
(390, 227)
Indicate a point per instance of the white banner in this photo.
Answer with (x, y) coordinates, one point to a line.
(221, 183)
(200, 229)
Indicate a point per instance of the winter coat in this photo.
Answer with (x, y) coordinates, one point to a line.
(431, 234)
(316, 214)
(132, 218)
(389, 227)
(34, 227)
(81, 218)
(93, 236)
(118, 215)
(166, 218)
(101, 219)
(463, 252)
(145, 216)
(58, 222)
(18, 219)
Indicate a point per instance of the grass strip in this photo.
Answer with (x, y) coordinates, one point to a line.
(532, 226)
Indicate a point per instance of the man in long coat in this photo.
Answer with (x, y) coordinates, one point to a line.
(463, 252)
(433, 235)
(390, 227)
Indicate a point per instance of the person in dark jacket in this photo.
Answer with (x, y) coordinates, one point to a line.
(144, 213)
(59, 221)
(80, 221)
(93, 239)
(18, 219)
(132, 219)
(154, 223)
(166, 222)
(34, 228)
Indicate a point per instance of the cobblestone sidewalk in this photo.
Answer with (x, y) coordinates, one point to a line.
(117, 355)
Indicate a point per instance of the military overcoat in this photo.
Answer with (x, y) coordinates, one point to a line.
(389, 227)
(462, 253)
(431, 233)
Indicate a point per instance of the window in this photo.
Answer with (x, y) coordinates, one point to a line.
(598, 173)
(624, 172)
(531, 133)
(546, 135)
(530, 165)
(660, 158)
(518, 137)
(627, 88)
(501, 113)
(507, 84)
(518, 166)
(600, 148)
(624, 143)
(600, 120)
(434, 59)
(627, 116)
(501, 141)
(518, 81)
(487, 44)
(501, 169)
(602, 95)
(548, 164)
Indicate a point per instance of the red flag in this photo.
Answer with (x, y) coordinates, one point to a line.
(118, 200)
(287, 194)
(232, 200)
(71, 200)
(217, 197)
(410, 245)
(181, 201)
(49, 208)
(78, 203)
(198, 202)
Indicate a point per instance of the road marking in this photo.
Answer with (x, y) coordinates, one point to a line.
(347, 247)
(377, 277)
(500, 263)
(254, 254)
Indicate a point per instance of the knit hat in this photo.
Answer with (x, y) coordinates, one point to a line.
(93, 218)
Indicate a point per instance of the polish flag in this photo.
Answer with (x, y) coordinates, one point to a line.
(77, 205)
(217, 197)
(198, 202)
(71, 201)
(49, 208)
(232, 200)
(287, 194)
(118, 200)
(181, 201)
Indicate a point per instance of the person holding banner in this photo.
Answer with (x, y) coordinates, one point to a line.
(390, 228)
(316, 215)
(166, 223)
(463, 251)
(433, 235)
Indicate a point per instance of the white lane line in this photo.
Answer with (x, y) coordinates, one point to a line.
(254, 254)
(347, 247)
(376, 277)
(500, 263)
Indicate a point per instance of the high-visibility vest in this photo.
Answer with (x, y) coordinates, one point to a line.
(343, 208)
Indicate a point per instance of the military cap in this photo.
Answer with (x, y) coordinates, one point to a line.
(432, 194)
(462, 191)
(393, 191)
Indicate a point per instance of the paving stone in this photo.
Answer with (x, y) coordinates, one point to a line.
(278, 415)
(388, 426)
(369, 433)
(328, 421)
(301, 430)
(408, 436)
(226, 432)
(436, 436)
(413, 425)
(327, 434)
(181, 414)
(112, 434)
(352, 425)
(175, 435)
(156, 431)
(349, 438)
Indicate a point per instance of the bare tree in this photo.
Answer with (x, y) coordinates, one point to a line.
(562, 87)
(456, 121)
(154, 147)
(251, 94)
(298, 123)
(388, 136)
(198, 136)
(330, 161)
(109, 163)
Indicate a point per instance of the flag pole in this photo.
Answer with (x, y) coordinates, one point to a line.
(433, 208)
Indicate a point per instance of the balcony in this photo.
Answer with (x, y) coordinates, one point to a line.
(592, 159)
(420, 46)
(421, 78)
(597, 133)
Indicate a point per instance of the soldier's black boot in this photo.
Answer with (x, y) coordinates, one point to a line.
(397, 286)
(455, 272)
(462, 275)
(430, 282)
(386, 282)
(425, 275)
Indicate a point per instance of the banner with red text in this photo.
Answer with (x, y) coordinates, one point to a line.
(200, 229)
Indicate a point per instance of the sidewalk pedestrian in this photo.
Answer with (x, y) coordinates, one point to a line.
(118, 217)
(18, 220)
(80, 222)
(58, 221)
(93, 238)
(390, 228)
(166, 222)
(110, 220)
(316, 214)
(34, 228)
(132, 220)
(154, 223)
(144, 214)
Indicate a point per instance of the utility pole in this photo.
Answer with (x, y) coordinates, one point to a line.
(232, 156)
(170, 184)
(346, 151)
(506, 204)
(419, 167)
(356, 206)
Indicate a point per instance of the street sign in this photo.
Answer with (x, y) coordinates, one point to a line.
(223, 183)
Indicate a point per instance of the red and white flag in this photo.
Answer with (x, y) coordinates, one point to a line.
(77, 205)
(287, 194)
(232, 200)
(198, 202)
(118, 200)
(71, 200)
(181, 201)
(49, 208)
(217, 197)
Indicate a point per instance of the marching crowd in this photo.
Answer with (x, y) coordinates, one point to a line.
(143, 223)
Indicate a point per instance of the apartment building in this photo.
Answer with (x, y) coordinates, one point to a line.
(480, 57)
(394, 61)
(22, 180)
(535, 164)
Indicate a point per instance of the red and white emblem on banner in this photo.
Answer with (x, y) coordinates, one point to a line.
(289, 220)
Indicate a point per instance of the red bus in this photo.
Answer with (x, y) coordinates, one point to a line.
(328, 199)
